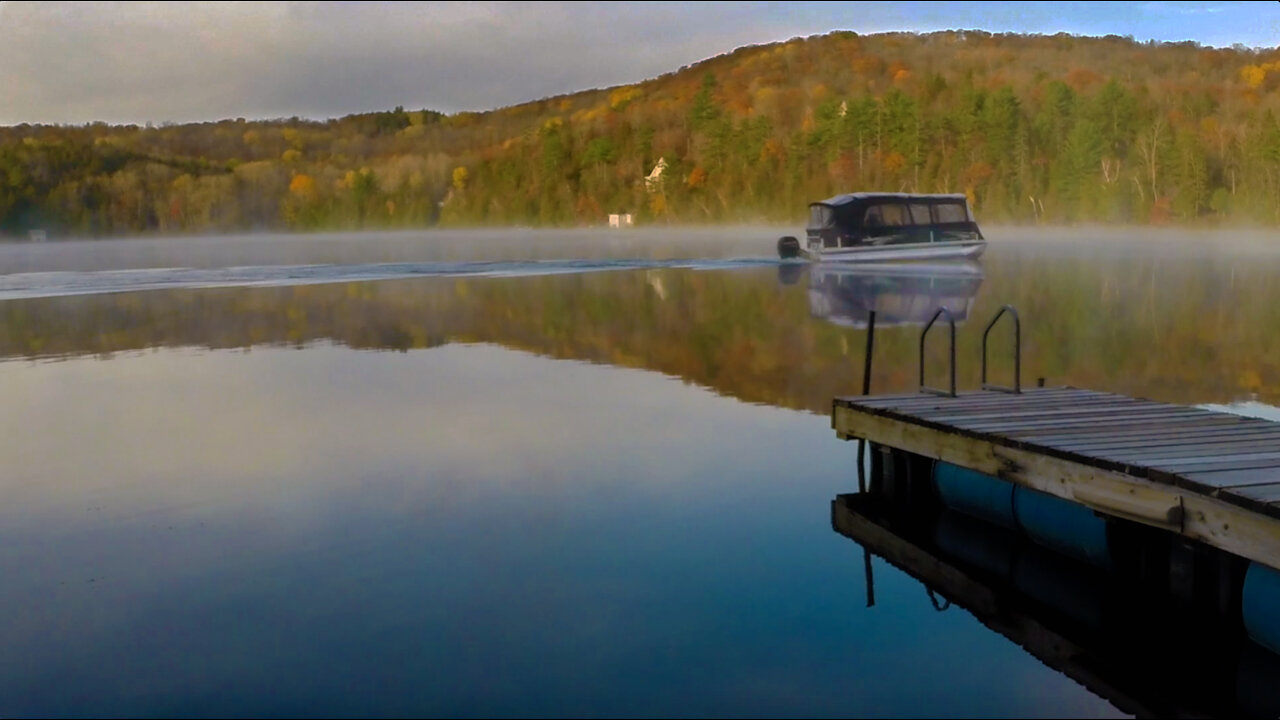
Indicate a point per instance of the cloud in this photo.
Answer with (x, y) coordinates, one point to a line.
(135, 62)
(1184, 8)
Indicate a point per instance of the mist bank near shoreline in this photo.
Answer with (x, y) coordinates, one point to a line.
(436, 251)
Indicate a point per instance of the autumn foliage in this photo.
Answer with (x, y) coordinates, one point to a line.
(1036, 129)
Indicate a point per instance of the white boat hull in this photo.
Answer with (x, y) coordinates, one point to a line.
(898, 252)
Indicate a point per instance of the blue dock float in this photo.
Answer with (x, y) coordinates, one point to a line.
(1060, 525)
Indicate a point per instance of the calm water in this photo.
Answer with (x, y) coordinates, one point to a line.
(527, 473)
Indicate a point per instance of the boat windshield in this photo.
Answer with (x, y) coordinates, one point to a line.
(879, 218)
(950, 213)
(821, 216)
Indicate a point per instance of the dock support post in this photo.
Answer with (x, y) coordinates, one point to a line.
(862, 450)
(866, 358)
(866, 390)
(871, 580)
(1183, 559)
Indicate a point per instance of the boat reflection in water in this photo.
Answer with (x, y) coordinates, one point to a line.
(1129, 640)
(901, 294)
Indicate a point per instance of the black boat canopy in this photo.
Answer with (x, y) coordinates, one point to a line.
(862, 196)
(848, 210)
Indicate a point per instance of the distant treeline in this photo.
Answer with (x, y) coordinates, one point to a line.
(1033, 128)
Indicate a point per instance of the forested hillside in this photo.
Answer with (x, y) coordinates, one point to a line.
(1035, 129)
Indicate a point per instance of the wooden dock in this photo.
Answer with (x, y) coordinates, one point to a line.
(1210, 476)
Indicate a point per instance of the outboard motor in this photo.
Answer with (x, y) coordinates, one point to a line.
(788, 247)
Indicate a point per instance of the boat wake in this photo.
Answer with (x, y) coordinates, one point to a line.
(52, 284)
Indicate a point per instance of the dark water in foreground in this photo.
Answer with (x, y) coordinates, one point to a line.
(546, 489)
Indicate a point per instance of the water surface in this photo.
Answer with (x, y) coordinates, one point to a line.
(595, 480)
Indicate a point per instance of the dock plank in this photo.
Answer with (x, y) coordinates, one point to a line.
(1227, 479)
(1202, 450)
(914, 400)
(1125, 432)
(1139, 419)
(1045, 405)
(1194, 435)
(1101, 410)
(1268, 493)
(1219, 464)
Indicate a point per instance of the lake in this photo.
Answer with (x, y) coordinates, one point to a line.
(530, 473)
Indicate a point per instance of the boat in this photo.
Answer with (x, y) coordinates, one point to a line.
(888, 227)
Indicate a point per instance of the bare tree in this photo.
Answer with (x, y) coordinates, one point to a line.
(1149, 148)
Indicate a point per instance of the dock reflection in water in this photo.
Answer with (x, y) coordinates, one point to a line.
(1144, 651)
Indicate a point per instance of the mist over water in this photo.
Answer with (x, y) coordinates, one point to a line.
(434, 246)
(54, 284)
(71, 267)
(477, 245)
(98, 266)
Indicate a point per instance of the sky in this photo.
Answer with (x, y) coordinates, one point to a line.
(138, 62)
